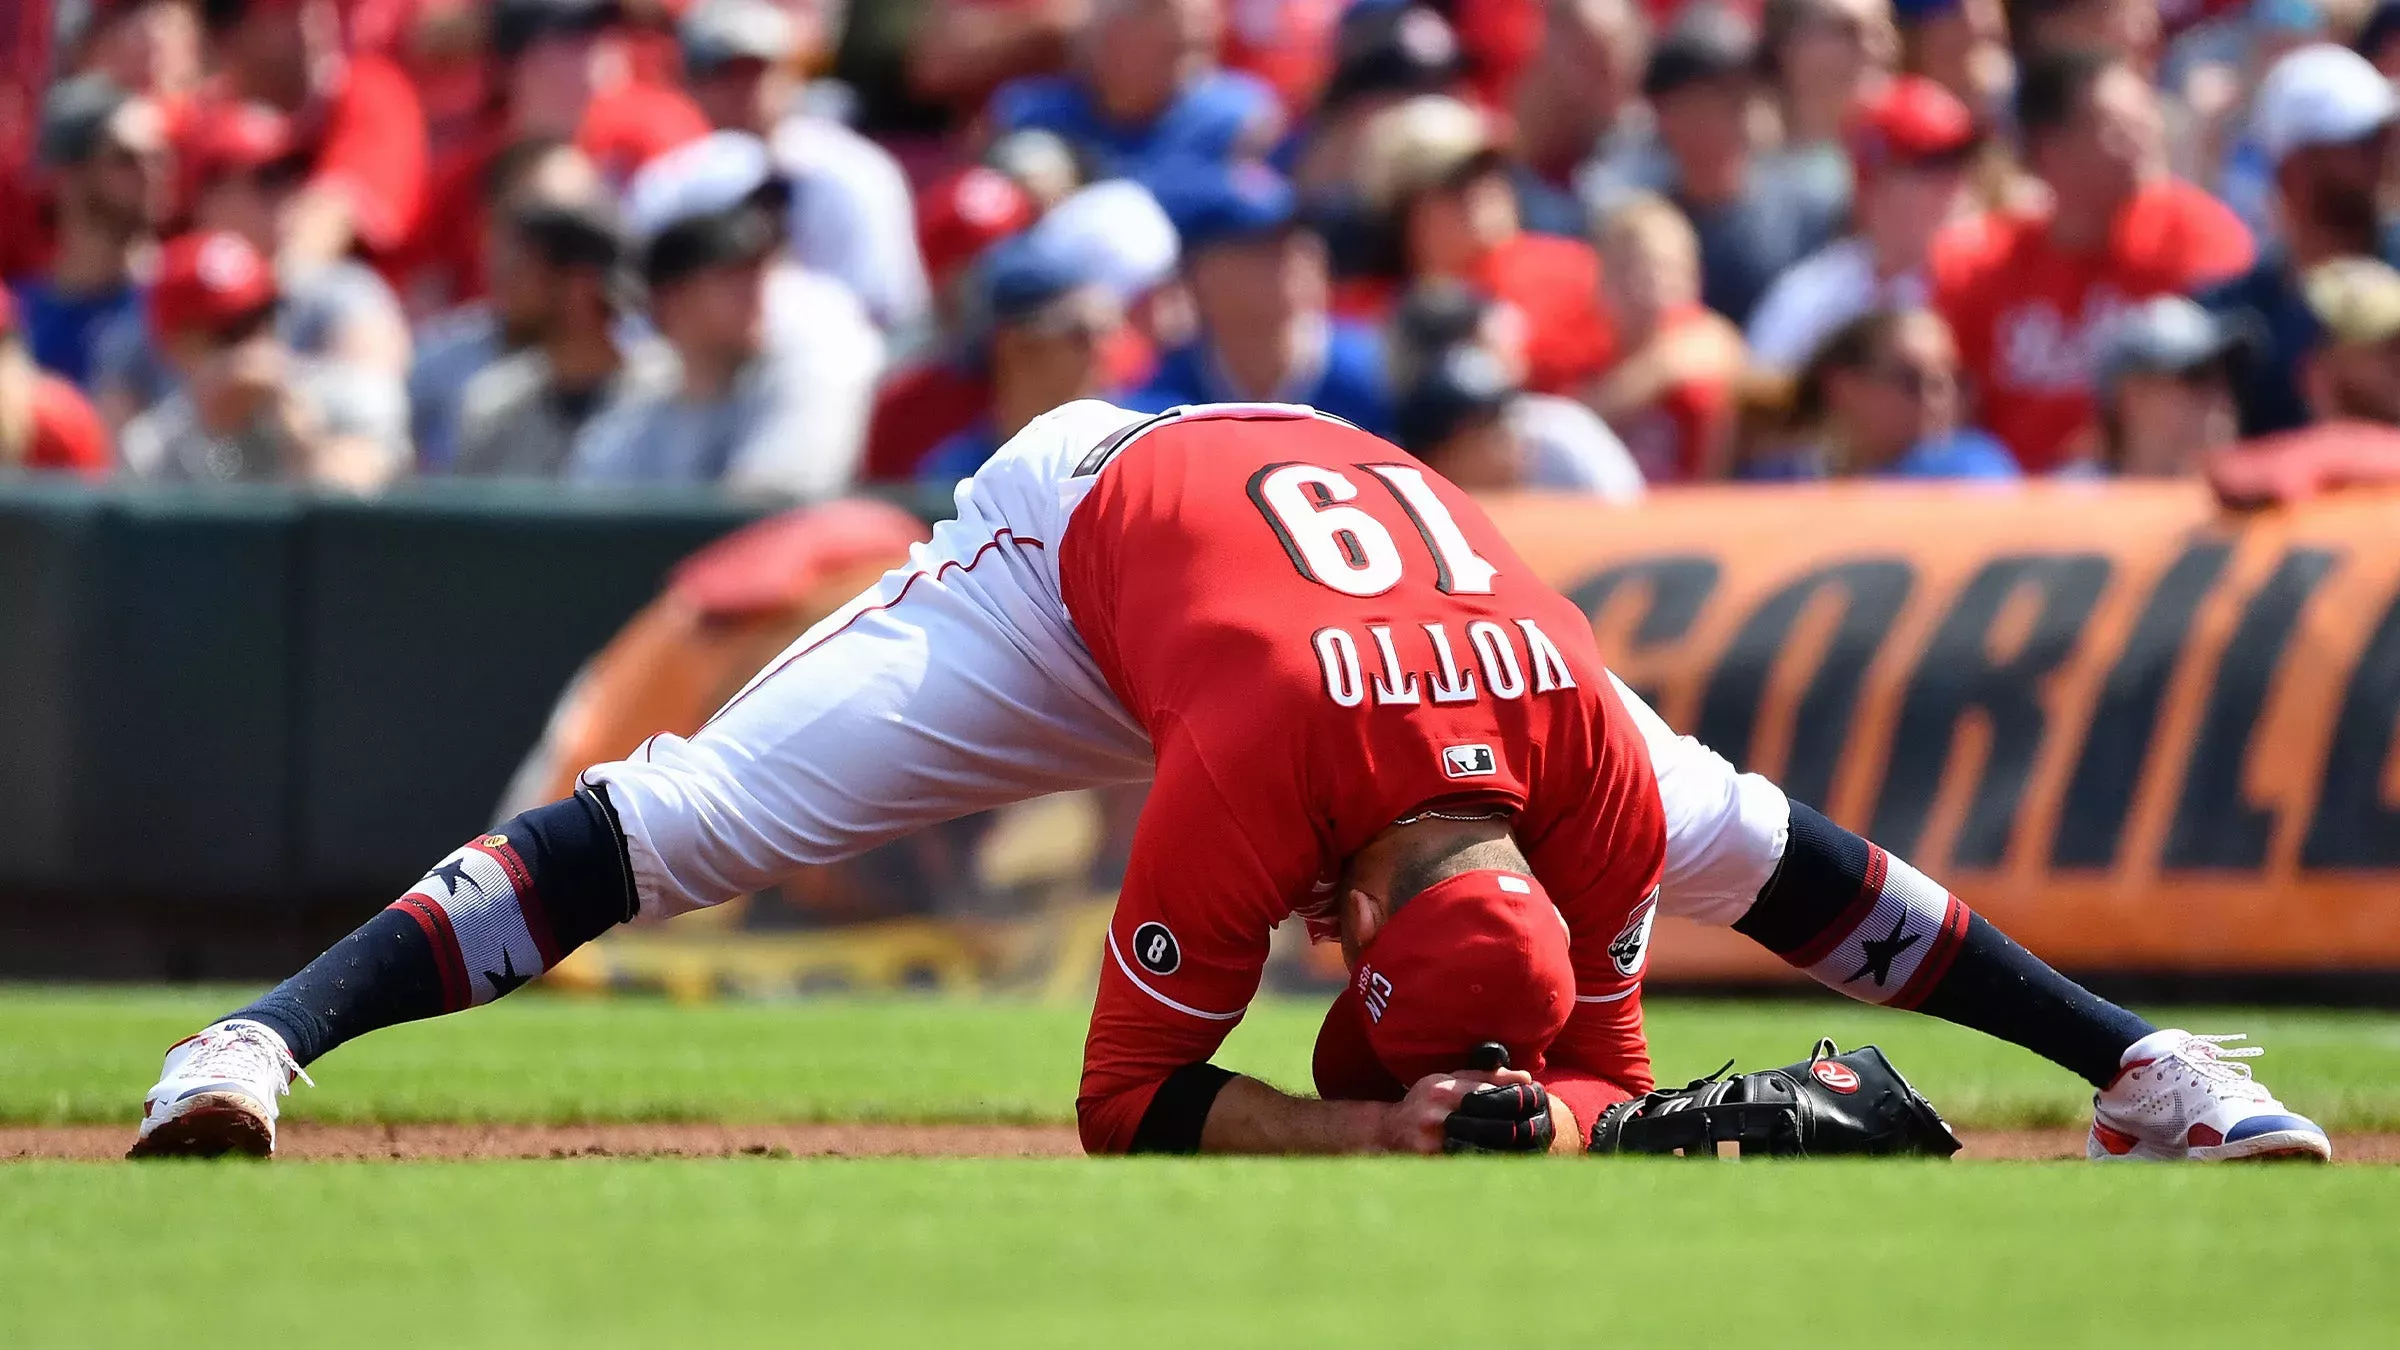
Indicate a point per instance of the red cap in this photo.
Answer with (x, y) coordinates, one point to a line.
(208, 281)
(236, 136)
(961, 214)
(1481, 956)
(1910, 118)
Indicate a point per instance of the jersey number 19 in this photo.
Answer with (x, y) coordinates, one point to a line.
(1342, 547)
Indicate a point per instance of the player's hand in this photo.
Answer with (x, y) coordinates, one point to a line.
(1502, 1101)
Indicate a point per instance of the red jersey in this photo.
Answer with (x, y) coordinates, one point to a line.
(622, 129)
(1554, 282)
(1680, 436)
(2028, 315)
(67, 433)
(371, 145)
(1322, 637)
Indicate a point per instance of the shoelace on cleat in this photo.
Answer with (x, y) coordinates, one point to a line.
(2204, 1057)
(237, 1049)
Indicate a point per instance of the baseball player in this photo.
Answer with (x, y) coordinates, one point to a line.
(1356, 706)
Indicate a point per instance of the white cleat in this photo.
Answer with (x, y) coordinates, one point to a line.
(217, 1094)
(2177, 1096)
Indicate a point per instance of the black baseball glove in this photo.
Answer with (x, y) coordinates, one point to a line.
(1511, 1119)
(1828, 1105)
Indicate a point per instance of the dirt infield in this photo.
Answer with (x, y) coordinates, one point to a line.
(411, 1143)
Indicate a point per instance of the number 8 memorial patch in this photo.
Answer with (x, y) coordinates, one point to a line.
(1155, 949)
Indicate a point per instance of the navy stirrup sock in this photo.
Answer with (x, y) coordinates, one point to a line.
(1869, 925)
(503, 909)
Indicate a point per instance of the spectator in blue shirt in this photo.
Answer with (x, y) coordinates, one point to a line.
(1259, 285)
(1146, 89)
(2323, 117)
(1754, 219)
(106, 151)
(1053, 313)
(1881, 400)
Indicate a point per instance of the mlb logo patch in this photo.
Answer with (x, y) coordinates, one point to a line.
(1468, 761)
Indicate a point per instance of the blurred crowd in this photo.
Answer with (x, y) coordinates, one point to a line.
(794, 245)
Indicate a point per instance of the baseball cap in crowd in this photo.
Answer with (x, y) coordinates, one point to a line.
(1708, 42)
(1462, 386)
(1391, 49)
(717, 33)
(237, 138)
(1478, 957)
(2321, 94)
(212, 282)
(571, 234)
(1032, 283)
(83, 115)
(1119, 229)
(1428, 141)
(961, 215)
(1911, 120)
(1212, 203)
(715, 200)
(518, 24)
(2355, 300)
(2165, 335)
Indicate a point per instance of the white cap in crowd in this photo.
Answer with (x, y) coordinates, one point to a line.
(2321, 94)
(706, 177)
(1122, 230)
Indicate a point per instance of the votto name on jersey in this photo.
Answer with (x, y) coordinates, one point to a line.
(1445, 662)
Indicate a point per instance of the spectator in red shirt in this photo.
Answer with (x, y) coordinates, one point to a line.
(1670, 394)
(2027, 294)
(357, 115)
(926, 403)
(1500, 38)
(242, 167)
(559, 73)
(1432, 172)
(1910, 145)
(44, 421)
(1287, 43)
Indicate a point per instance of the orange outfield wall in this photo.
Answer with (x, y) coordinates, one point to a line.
(2134, 731)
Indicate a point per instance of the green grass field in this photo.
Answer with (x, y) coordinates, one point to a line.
(668, 1253)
